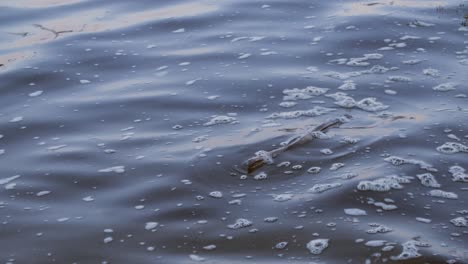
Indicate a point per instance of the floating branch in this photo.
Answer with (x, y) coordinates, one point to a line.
(263, 157)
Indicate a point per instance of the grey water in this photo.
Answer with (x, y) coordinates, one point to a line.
(122, 124)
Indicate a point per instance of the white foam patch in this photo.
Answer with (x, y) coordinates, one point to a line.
(371, 104)
(336, 166)
(458, 174)
(452, 148)
(428, 180)
(410, 250)
(314, 170)
(196, 258)
(316, 111)
(347, 86)
(355, 212)
(282, 197)
(261, 176)
(240, 223)
(281, 245)
(378, 228)
(265, 156)
(363, 61)
(151, 225)
(384, 184)
(445, 87)
(116, 169)
(385, 206)
(443, 194)
(397, 161)
(397, 78)
(317, 246)
(376, 243)
(287, 104)
(42, 193)
(303, 94)
(320, 188)
(222, 119)
(9, 179)
(376, 69)
(431, 72)
(459, 221)
(216, 194)
(36, 93)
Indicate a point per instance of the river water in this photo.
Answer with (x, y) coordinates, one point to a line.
(122, 124)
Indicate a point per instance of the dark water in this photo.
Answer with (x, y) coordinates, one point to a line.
(110, 145)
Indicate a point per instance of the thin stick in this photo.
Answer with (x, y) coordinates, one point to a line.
(266, 157)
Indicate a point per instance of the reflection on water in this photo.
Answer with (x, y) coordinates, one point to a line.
(122, 123)
(384, 7)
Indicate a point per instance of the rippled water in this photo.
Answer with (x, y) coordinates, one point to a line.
(121, 123)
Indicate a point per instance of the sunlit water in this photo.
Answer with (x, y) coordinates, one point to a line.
(121, 123)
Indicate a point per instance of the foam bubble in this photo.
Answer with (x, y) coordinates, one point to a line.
(326, 151)
(410, 250)
(151, 225)
(302, 94)
(287, 104)
(314, 170)
(378, 228)
(458, 174)
(383, 184)
(443, 194)
(399, 79)
(216, 194)
(317, 246)
(375, 243)
(459, 221)
(320, 188)
(452, 147)
(116, 169)
(240, 223)
(347, 86)
(336, 166)
(216, 120)
(265, 156)
(386, 207)
(431, 72)
(355, 212)
(196, 258)
(397, 161)
(445, 87)
(281, 245)
(36, 93)
(428, 180)
(282, 197)
(371, 104)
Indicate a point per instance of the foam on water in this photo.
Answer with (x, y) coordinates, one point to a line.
(317, 246)
(428, 180)
(383, 184)
(397, 161)
(458, 174)
(240, 223)
(355, 212)
(459, 221)
(452, 148)
(443, 194)
(217, 120)
(410, 250)
(445, 87)
(302, 94)
(320, 188)
(378, 228)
